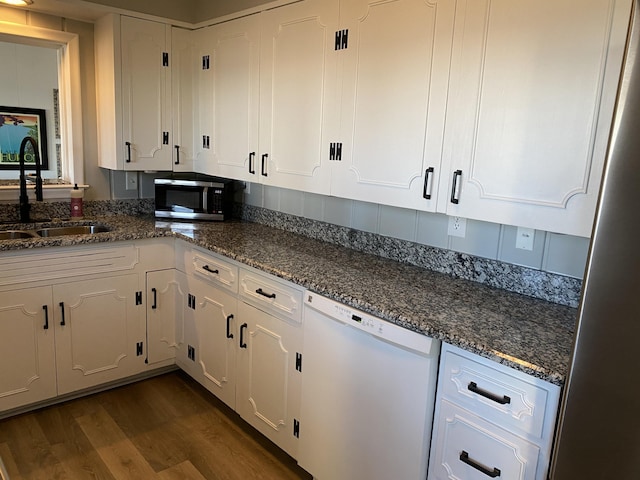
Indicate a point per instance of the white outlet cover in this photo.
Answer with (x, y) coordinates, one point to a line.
(457, 227)
(525, 238)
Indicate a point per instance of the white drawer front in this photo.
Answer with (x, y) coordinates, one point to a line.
(214, 270)
(56, 263)
(274, 296)
(471, 449)
(495, 393)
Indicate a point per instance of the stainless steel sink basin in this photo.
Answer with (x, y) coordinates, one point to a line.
(15, 234)
(72, 230)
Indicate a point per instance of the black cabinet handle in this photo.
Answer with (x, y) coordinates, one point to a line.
(426, 191)
(62, 310)
(229, 334)
(454, 186)
(208, 269)
(128, 159)
(177, 147)
(473, 386)
(252, 155)
(464, 457)
(46, 316)
(155, 298)
(243, 327)
(265, 294)
(264, 161)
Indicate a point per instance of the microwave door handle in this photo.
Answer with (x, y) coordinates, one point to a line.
(205, 199)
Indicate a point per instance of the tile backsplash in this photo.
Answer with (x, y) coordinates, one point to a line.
(553, 253)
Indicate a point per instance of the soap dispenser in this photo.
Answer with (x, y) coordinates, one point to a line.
(76, 202)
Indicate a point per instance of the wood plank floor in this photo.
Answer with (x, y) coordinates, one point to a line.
(167, 427)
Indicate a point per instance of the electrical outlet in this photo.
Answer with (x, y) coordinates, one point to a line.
(457, 227)
(131, 179)
(525, 238)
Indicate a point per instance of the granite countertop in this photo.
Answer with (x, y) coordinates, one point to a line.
(528, 334)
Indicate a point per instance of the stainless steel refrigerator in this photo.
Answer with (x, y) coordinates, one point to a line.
(598, 435)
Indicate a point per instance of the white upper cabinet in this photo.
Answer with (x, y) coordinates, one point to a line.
(265, 101)
(133, 82)
(183, 99)
(228, 105)
(394, 70)
(532, 93)
(297, 95)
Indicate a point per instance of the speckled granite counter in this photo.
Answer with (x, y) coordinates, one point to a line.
(528, 334)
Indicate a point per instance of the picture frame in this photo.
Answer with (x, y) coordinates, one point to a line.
(15, 124)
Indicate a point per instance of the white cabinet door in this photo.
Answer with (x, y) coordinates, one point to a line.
(229, 99)
(395, 72)
(268, 388)
(216, 324)
(183, 64)
(532, 91)
(133, 93)
(297, 95)
(166, 297)
(27, 349)
(100, 331)
(146, 87)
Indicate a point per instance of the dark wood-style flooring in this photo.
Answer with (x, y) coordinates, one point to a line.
(167, 427)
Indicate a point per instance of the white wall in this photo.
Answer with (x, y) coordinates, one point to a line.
(29, 76)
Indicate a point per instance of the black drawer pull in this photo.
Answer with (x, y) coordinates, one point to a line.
(46, 317)
(426, 191)
(491, 396)
(251, 157)
(454, 187)
(264, 294)
(210, 270)
(62, 322)
(155, 298)
(464, 457)
(229, 334)
(128, 159)
(243, 327)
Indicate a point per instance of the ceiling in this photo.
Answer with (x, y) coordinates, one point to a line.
(182, 11)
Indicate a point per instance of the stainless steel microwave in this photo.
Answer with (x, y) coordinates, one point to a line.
(191, 196)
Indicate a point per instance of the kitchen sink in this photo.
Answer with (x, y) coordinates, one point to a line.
(15, 234)
(71, 230)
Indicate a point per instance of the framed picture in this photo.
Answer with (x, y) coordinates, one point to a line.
(15, 124)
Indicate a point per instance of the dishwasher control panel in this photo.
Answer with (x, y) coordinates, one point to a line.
(377, 327)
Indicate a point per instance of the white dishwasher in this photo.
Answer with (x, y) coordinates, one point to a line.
(368, 389)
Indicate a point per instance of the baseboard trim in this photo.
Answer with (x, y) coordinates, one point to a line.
(88, 391)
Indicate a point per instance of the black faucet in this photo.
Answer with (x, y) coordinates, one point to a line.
(24, 198)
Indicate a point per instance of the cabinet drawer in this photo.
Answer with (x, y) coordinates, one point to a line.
(212, 268)
(271, 295)
(511, 400)
(473, 449)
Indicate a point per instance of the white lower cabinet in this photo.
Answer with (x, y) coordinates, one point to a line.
(100, 331)
(27, 347)
(242, 341)
(166, 297)
(268, 390)
(475, 449)
(78, 318)
(209, 350)
(69, 336)
(490, 420)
